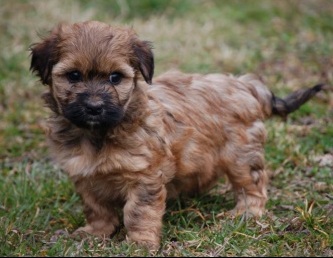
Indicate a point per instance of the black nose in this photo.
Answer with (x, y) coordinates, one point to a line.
(93, 108)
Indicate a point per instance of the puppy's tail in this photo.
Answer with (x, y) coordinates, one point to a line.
(283, 106)
(273, 105)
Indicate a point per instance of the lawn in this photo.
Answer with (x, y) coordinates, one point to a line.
(288, 43)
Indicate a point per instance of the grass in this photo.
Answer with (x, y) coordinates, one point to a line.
(287, 42)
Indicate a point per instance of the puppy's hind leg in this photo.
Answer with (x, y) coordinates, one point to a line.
(246, 173)
(251, 193)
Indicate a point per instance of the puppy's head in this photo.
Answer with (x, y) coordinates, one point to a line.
(91, 69)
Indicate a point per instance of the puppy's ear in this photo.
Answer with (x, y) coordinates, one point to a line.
(44, 56)
(145, 57)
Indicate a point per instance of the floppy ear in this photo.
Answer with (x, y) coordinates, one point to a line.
(145, 57)
(44, 57)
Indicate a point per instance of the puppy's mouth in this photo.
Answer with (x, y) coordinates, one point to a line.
(89, 114)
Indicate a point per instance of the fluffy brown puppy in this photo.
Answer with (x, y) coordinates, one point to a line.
(128, 143)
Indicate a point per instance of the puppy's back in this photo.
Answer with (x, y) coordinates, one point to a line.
(213, 97)
(239, 96)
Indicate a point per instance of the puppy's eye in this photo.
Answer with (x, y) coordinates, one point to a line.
(115, 78)
(74, 76)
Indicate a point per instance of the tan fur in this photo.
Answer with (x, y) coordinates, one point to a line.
(178, 135)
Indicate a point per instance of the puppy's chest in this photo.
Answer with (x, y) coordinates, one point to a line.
(85, 160)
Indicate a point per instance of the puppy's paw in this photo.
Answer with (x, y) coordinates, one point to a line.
(88, 230)
(250, 205)
(250, 212)
(82, 232)
(152, 244)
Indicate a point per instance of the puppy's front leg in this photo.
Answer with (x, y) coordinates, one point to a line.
(143, 214)
(102, 219)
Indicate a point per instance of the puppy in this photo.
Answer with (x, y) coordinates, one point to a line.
(128, 143)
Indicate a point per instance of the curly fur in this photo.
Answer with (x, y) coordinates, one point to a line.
(155, 139)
